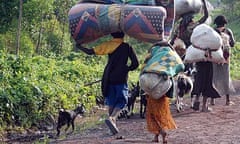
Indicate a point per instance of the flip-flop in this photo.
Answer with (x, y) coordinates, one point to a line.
(112, 126)
(230, 103)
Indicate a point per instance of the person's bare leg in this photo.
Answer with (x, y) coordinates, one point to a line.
(110, 110)
(228, 102)
(205, 107)
(155, 139)
(196, 103)
(212, 101)
(164, 136)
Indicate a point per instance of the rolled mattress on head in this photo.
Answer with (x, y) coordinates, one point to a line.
(132, 2)
(90, 21)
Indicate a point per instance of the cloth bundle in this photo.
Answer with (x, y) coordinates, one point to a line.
(162, 63)
(134, 2)
(206, 46)
(92, 19)
(155, 85)
(186, 6)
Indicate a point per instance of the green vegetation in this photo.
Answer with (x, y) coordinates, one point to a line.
(47, 73)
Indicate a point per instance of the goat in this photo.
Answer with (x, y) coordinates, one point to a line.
(68, 117)
(133, 94)
(183, 86)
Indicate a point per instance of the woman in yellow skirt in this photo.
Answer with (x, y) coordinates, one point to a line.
(159, 117)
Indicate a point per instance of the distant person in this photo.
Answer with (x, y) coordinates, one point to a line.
(222, 78)
(185, 28)
(187, 24)
(114, 80)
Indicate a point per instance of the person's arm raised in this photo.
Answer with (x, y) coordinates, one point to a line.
(206, 14)
(85, 50)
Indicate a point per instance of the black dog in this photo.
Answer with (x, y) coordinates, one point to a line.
(68, 117)
(143, 103)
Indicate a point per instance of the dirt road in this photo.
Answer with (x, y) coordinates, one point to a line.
(221, 126)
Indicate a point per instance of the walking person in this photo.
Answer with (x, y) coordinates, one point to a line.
(115, 76)
(159, 89)
(185, 28)
(222, 79)
(159, 117)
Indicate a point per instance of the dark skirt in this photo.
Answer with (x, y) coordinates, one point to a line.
(203, 81)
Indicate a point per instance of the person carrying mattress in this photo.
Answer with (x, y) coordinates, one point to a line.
(115, 76)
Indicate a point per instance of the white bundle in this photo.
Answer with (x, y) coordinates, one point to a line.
(185, 6)
(196, 55)
(155, 85)
(205, 37)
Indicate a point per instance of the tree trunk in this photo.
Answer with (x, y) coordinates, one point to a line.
(19, 27)
(37, 50)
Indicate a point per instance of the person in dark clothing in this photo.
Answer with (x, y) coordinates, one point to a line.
(115, 76)
(203, 85)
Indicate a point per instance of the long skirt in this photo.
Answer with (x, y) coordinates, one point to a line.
(203, 81)
(158, 115)
(221, 79)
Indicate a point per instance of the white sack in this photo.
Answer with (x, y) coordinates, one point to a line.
(196, 55)
(185, 6)
(204, 36)
(155, 85)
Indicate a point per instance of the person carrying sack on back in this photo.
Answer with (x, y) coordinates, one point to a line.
(115, 76)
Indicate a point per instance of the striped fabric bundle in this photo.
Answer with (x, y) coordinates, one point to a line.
(92, 19)
(163, 60)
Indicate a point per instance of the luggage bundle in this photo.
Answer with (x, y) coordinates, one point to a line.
(143, 19)
(206, 46)
(162, 64)
(186, 6)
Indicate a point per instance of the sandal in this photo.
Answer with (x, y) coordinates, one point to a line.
(208, 109)
(196, 106)
(229, 103)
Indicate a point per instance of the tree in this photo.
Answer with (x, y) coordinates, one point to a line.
(19, 27)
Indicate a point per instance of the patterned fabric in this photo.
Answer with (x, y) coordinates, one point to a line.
(103, 1)
(89, 22)
(143, 23)
(132, 2)
(169, 21)
(158, 115)
(163, 60)
(92, 19)
(140, 2)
